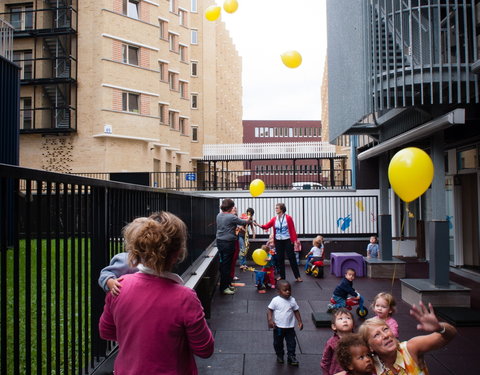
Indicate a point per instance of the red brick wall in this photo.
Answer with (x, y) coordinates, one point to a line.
(144, 104)
(117, 100)
(116, 50)
(144, 58)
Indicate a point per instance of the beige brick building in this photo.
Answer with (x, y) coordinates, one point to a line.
(123, 85)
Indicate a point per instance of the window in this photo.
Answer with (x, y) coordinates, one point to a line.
(194, 100)
(193, 6)
(183, 125)
(194, 133)
(24, 60)
(130, 102)
(173, 81)
(194, 66)
(26, 113)
(163, 68)
(183, 89)
(130, 8)
(182, 17)
(21, 17)
(183, 53)
(163, 29)
(129, 54)
(162, 112)
(194, 36)
(172, 118)
(173, 6)
(173, 42)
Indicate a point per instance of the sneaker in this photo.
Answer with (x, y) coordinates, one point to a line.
(235, 278)
(292, 360)
(228, 291)
(330, 308)
(280, 359)
(231, 287)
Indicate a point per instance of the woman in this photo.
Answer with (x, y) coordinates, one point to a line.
(285, 237)
(392, 357)
(158, 323)
(227, 222)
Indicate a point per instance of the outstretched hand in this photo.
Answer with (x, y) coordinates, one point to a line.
(426, 317)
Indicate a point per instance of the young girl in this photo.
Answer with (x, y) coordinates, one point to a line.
(342, 324)
(384, 306)
(316, 252)
(372, 248)
(354, 356)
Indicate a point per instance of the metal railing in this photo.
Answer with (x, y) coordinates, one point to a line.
(57, 233)
(6, 40)
(236, 180)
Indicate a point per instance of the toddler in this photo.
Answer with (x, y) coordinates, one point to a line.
(372, 248)
(353, 355)
(241, 232)
(384, 307)
(281, 314)
(110, 276)
(342, 324)
(343, 290)
(316, 252)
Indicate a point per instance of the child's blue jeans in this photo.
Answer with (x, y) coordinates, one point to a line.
(341, 302)
(242, 255)
(279, 334)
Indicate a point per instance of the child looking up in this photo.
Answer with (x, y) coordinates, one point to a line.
(372, 248)
(343, 290)
(384, 307)
(342, 324)
(353, 355)
(281, 314)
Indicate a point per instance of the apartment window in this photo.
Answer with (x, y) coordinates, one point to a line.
(194, 36)
(162, 113)
(257, 134)
(172, 81)
(21, 17)
(183, 89)
(129, 54)
(26, 113)
(194, 133)
(173, 6)
(173, 42)
(183, 53)
(183, 125)
(130, 8)
(182, 17)
(194, 68)
(163, 69)
(172, 118)
(194, 101)
(24, 60)
(290, 132)
(163, 29)
(130, 102)
(194, 6)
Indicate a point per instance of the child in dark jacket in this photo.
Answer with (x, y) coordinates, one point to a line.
(343, 290)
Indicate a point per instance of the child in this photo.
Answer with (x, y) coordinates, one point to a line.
(353, 355)
(384, 306)
(269, 268)
(242, 232)
(281, 314)
(110, 276)
(342, 324)
(316, 252)
(372, 248)
(343, 290)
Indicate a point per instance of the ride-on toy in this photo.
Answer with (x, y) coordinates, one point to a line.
(315, 269)
(361, 311)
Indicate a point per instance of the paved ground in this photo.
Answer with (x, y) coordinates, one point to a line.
(244, 344)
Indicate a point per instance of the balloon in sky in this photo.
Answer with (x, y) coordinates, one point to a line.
(212, 12)
(257, 187)
(260, 256)
(291, 59)
(410, 173)
(230, 6)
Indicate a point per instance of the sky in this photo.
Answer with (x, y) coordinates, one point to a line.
(264, 29)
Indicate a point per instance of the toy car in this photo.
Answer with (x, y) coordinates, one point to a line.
(315, 269)
(361, 311)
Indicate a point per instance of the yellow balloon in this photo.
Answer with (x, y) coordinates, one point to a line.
(260, 257)
(230, 6)
(410, 173)
(257, 187)
(291, 59)
(212, 12)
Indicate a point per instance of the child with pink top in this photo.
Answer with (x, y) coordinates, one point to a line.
(384, 306)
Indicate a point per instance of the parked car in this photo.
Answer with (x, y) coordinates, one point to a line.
(307, 186)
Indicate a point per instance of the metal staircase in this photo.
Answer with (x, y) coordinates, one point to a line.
(61, 113)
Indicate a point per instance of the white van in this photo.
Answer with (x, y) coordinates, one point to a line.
(307, 186)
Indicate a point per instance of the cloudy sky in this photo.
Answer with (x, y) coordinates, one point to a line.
(261, 31)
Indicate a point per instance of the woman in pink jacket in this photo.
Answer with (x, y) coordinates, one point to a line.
(285, 238)
(158, 323)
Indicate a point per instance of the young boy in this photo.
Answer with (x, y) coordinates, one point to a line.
(353, 355)
(342, 325)
(281, 314)
(343, 290)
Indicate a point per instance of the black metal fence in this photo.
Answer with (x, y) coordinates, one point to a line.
(57, 233)
(234, 180)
